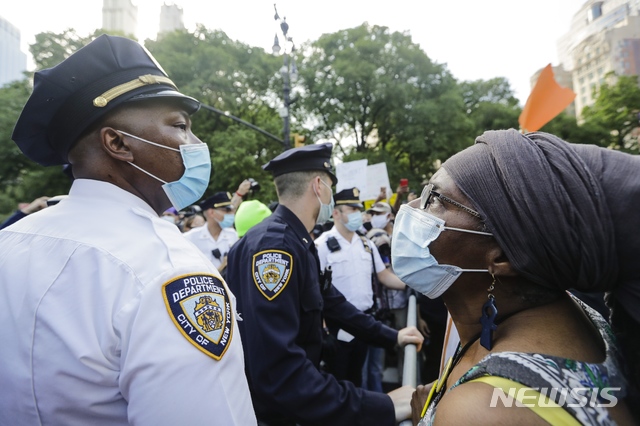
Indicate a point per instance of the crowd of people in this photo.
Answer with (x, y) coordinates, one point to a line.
(135, 296)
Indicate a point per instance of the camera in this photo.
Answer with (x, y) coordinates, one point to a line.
(333, 244)
(216, 253)
(255, 186)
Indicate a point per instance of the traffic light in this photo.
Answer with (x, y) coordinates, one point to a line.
(298, 140)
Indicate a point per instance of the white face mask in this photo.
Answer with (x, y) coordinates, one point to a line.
(412, 261)
(379, 220)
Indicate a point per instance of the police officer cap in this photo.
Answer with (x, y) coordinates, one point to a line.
(217, 200)
(348, 197)
(308, 157)
(69, 97)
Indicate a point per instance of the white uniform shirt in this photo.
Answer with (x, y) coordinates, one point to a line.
(86, 332)
(203, 239)
(351, 267)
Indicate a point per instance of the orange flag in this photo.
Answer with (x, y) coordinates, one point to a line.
(547, 99)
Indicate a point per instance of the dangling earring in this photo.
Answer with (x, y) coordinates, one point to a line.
(489, 313)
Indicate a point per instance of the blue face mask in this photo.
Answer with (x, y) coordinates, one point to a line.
(325, 209)
(412, 261)
(227, 222)
(354, 221)
(195, 180)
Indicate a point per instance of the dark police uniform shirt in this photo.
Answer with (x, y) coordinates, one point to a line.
(273, 271)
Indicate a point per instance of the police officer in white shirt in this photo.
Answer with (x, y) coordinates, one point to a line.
(218, 235)
(108, 316)
(353, 259)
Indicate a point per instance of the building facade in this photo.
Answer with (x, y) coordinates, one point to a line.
(604, 37)
(13, 62)
(120, 15)
(171, 19)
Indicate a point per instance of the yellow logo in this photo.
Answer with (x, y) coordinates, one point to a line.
(271, 274)
(200, 307)
(271, 271)
(208, 314)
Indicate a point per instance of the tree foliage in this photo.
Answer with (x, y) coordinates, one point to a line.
(232, 77)
(566, 127)
(617, 111)
(490, 104)
(376, 93)
(52, 48)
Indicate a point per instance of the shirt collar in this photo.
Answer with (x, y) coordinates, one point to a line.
(100, 191)
(296, 225)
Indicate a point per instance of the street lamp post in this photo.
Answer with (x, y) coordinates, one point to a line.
(288, 74)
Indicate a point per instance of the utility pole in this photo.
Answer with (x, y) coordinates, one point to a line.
(288, 73)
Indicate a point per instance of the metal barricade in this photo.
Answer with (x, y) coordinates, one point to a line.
(410, 367)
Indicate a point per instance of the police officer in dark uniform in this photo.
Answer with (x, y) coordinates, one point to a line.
(282, 298)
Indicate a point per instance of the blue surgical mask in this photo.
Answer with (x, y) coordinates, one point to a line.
(412, 261)
(195, 180)
(354, 221)
(227, 222)
(325, 209)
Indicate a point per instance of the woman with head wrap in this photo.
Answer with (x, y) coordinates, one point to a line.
(502, 231)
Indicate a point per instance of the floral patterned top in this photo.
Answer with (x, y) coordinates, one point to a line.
(539, 371)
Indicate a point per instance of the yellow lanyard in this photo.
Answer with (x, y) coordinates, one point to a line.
(437, 386)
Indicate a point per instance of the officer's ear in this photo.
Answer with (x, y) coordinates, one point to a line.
(315, 184)
(115, 144)
(336, 212)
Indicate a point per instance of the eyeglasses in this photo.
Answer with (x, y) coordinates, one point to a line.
(427, 196)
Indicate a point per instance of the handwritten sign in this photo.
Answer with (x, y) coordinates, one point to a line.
(352, 174)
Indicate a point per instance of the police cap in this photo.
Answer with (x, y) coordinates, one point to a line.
(308, 157)
(69, 97)
(348, 197)
(216, 201)
(380, 207)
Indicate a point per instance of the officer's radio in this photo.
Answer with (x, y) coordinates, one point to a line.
(325, 279)
(216, 253)
(333, 244)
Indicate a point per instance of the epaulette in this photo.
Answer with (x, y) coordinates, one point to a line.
(275, 233)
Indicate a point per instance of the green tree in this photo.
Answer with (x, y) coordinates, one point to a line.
(12, 98)
(220, 72)
(52, 48)
(566, 127)
(490, 104)
(22, 179)
(617, 109)
(369, 90)
(233, 77)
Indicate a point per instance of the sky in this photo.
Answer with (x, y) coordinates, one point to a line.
(475, 39)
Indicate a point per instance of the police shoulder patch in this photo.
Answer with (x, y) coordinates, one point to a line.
(200, 306)
(272, 271)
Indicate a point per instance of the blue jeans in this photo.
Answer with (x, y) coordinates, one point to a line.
(373, 369)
